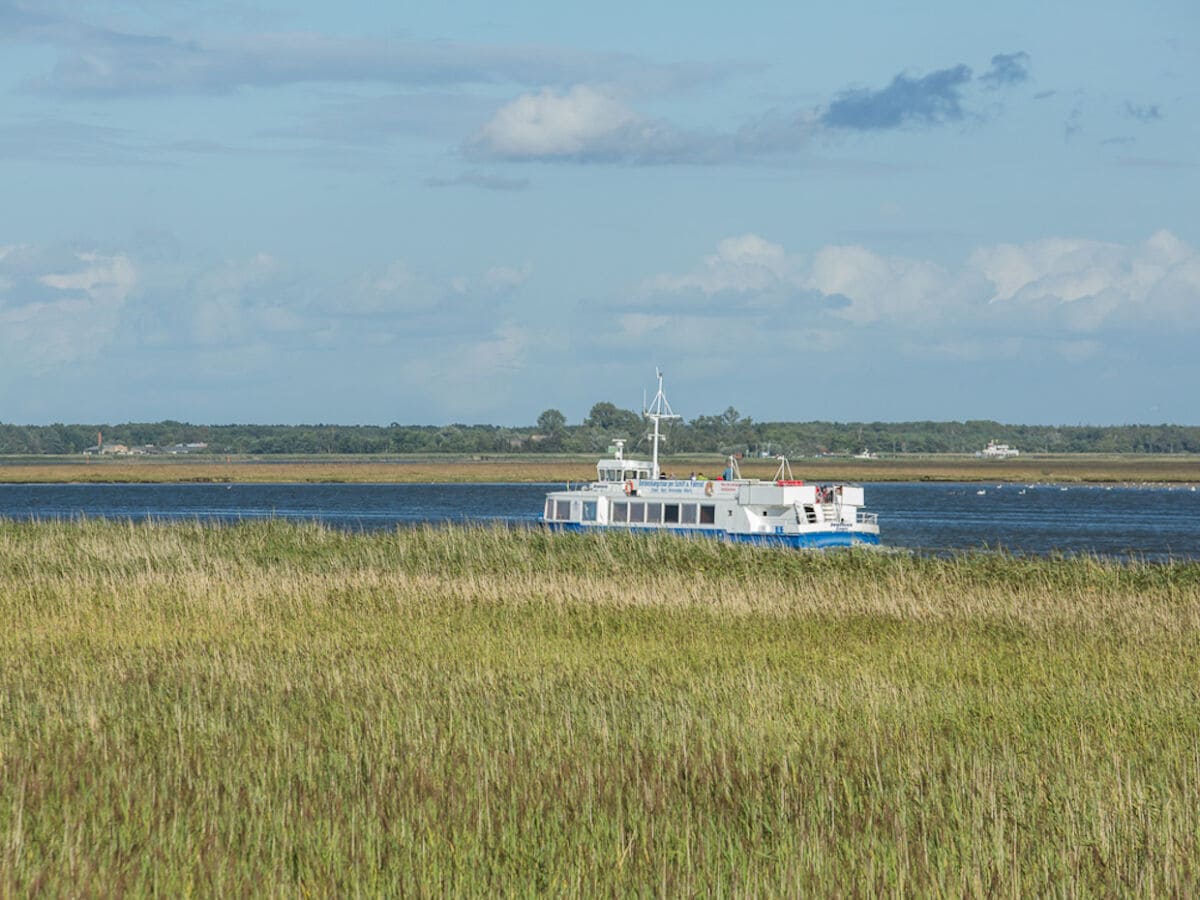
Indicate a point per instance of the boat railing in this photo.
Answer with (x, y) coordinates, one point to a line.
(866, 518)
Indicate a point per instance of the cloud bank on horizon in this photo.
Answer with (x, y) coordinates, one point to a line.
(230, 211)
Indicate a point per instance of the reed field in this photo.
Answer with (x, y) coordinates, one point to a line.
(283, 709)
(1063, 467)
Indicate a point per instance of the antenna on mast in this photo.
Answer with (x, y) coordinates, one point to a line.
(658, 410)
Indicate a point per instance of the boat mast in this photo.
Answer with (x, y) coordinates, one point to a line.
(657, 411)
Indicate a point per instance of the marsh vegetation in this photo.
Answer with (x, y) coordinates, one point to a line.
(1071, 468)
(275, 708)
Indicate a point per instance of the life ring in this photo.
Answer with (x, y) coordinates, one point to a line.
(628, 488)
(708, 489)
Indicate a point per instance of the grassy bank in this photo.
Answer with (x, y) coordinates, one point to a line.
(1045, 468)
(274, 708)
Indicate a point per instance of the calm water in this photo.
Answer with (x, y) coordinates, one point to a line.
(1156, 523)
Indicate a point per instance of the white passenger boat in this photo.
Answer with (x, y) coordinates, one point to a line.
(637, 495)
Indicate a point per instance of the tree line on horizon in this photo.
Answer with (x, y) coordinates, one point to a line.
(724, 433)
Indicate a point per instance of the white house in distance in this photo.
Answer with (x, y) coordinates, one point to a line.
(997, 451)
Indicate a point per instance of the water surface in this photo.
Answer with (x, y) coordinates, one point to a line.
(1151, 522)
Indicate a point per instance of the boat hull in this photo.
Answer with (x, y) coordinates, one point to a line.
(816, 540)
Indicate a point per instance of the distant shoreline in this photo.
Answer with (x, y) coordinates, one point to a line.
(1067, 468)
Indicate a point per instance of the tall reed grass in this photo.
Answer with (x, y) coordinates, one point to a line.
(279, 709)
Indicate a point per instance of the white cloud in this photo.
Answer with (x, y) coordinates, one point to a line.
(105, 277)
(888, 288)
(1069, 297)
(586, 123)
(1090, 285)
(877, 287)
(61, 317)
(550, 123)
(743, 264)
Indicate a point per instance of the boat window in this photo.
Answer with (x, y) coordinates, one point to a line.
(620, 512)
(708, 514)
(629, 475)
(549, 509)
(589, 510)
(643, 473)
(653, 513)
(562, 510)
(687, 514)
(670, 513)
(637, 512)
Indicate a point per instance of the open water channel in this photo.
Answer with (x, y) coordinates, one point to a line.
(1155, 523)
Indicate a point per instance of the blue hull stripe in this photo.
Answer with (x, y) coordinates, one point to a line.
(815, 539)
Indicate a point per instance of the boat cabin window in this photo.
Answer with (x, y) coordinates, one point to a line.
(708, 514)
(562, 510)
(653, 513)
(618, 475)
(637, 512)
(589, 510)
(671, 513)
(620, 512)
(687, 514)
(549, 509)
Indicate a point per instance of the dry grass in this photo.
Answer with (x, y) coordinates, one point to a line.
(285, 709)
(1056, 468)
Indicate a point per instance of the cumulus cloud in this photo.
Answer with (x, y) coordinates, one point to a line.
(105, 277)
(1090, 285)
(846, 282)
(240, 301)
(1069, 294)
(910, 101)
(933, 99)
(743, 264)
(184, 331)
(60, 307)
(1007, 68)
(57, 312)
(584, 123)
(881, 288)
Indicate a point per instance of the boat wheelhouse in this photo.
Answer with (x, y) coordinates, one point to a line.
(637, 495)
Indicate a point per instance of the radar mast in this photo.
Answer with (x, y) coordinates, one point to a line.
(658, 410)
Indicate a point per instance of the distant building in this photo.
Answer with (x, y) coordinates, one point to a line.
(186, 448)
(997, 451)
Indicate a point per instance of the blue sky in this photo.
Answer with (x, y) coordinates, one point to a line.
(232, 211)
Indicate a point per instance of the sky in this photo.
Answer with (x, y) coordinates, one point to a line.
(253, 211)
